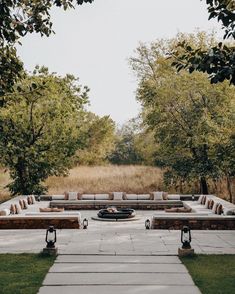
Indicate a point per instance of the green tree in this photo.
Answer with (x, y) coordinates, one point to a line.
(125, 151)
(218, 61)
(145, 146)
(96, 139)
(40, 129)
(17, 19)
(190, 117)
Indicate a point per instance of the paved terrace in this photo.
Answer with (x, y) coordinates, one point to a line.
(117, 257)
(117, 238)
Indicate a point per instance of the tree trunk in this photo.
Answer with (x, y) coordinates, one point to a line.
(21, 179)
(181, 186)
(229, 187)
(203, 186)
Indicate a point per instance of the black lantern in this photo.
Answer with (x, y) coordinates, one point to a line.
(85, 223)
(186, 237)
(147, 224)
(51, 237)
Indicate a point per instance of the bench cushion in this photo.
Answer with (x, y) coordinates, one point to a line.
(102, 197)
(88, 197)
(130, 197)
(173, 197)
(144, 197)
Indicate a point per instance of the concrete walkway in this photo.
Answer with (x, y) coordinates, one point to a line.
(101, 274)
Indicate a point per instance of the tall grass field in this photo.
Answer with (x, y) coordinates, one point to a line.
(101, 179)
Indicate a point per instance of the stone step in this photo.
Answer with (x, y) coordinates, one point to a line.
(118, 259)
(117, 268)
(155, 289)
(118, 279)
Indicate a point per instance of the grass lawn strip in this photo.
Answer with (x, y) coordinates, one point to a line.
(213, 274)
(23, 273)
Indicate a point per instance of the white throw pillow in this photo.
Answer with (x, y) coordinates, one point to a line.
(73, 196)
(117, 195)
(158, 195)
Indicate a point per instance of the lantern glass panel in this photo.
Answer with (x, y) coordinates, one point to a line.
(51, 236)
(186, 237)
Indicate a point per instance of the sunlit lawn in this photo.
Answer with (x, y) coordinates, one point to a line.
(23, 273)
(213, 274)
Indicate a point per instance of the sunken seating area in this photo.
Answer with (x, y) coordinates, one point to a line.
(151, 201)
(208, 213)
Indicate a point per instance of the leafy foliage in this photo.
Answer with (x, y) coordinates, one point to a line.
(223, 10)
(218, 61)
(11, 69)
(40, 129)
(96, 139)
(125, 151)
(192, 120)
(17, 19)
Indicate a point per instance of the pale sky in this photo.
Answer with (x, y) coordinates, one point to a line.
(95, 41)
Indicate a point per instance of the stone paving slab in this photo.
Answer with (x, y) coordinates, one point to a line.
(117, 279)
(156, 289)
(117, 268)
(114, 259)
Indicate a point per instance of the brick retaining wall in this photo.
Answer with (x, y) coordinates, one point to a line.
(38, 223)
(123, 204)
(194, 224)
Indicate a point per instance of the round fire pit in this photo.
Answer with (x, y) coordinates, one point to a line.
(114, 213)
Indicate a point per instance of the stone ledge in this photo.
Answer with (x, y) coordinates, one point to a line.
(19, 222)
(195, 223)
(100, 204)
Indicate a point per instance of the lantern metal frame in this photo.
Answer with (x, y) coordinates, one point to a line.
(50, 243)
(85, 223)
(186, 243)
(147, 224)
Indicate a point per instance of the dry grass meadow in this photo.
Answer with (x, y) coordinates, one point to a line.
(101, 179)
